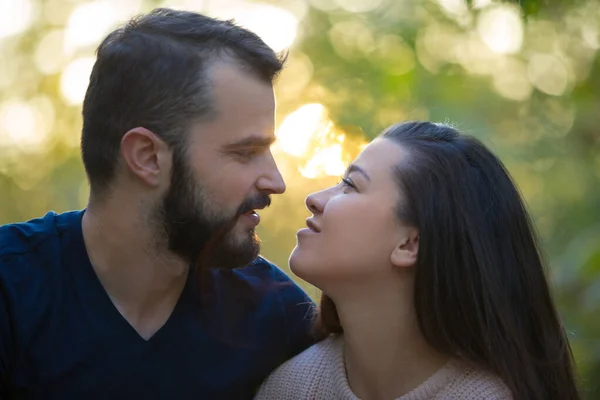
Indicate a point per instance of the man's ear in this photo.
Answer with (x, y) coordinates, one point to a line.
(146, 155)
(406, 251)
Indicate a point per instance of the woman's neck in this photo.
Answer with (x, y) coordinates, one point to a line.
(385, 353)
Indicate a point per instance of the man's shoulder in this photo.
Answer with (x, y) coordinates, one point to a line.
(30, 256)
(26, 245)
(262, 273)
(263, 268)
(22, 237)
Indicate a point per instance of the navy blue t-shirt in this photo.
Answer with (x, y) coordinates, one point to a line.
(61, 337)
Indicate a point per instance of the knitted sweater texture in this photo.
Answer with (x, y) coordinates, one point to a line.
(319, 373)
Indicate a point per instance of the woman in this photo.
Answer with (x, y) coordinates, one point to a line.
(433, 285)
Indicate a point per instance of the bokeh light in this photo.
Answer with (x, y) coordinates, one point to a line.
(324, 5)
(22, 124)
(87, 24)
(454, 8)
(521, 77)
(75, 79)
(276, 26)
(15, 16)
(359, 6)
(351, 38)
(501, 28)
(326, 161)
(297, 129)
(510, 80)
(50, 56)
(309, 135)
(548, 74)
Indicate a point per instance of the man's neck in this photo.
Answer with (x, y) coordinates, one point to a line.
(143, 280)
(385, 352)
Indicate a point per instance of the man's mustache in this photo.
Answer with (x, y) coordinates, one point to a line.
(259, 201)
(262, 200)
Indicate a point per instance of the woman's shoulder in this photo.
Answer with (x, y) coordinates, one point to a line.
(472, 382)
(304, 372)
(319, 355)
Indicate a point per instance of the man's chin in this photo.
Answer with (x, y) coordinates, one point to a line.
(237, 254)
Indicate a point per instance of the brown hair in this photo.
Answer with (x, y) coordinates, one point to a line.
(480, 287)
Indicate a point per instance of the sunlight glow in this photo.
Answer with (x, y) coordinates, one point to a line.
(309, 136)
(21, 124)
(57, 12)
(454, 7)
(327, 161)
(15, 16)
(17, 121)
(478, 4)
(299, 127)
(88, 23)
(294, 78)
(501, 29)
(49, 57)
(125, 9)
(276, 26)
(75, 79)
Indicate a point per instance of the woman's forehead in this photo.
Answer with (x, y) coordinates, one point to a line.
(379, 157)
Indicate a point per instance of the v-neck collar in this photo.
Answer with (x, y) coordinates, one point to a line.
(96, 301)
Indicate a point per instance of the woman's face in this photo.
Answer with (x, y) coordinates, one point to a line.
(354, 234)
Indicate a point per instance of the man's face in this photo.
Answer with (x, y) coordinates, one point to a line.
(224, 175)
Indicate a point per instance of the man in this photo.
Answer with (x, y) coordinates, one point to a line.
(142, 294)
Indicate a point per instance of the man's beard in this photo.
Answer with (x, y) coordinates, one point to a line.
(200, 235)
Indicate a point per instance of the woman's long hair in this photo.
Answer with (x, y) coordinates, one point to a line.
(481, 292)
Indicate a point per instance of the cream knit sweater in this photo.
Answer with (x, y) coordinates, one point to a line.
(319, 373)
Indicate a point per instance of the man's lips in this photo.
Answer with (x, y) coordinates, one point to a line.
(251, 217)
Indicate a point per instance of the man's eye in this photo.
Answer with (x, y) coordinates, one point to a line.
(246, 153)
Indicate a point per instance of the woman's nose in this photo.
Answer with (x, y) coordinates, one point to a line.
(315, 202)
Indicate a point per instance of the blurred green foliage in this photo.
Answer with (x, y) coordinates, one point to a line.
(524, 77)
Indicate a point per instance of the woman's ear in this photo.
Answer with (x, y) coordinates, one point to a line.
(406, 251)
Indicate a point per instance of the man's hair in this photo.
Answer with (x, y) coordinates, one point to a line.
(153, 72)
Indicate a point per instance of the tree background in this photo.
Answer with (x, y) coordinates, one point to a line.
(524, 77)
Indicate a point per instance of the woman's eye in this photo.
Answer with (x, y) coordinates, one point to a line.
(347, 184)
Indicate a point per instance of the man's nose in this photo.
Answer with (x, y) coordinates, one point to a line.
(271, 181)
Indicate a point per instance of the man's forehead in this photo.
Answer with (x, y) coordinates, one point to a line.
(232, 84)
(244, 110)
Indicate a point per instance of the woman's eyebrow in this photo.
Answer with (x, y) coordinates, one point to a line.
(356, 168)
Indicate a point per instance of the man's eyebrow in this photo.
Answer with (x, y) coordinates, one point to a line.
(251, 141)
(356, 168)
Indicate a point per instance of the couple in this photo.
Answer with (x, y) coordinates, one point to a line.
(433, 285)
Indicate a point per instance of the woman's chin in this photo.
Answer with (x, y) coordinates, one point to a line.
(300, 266)
(295, 261)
